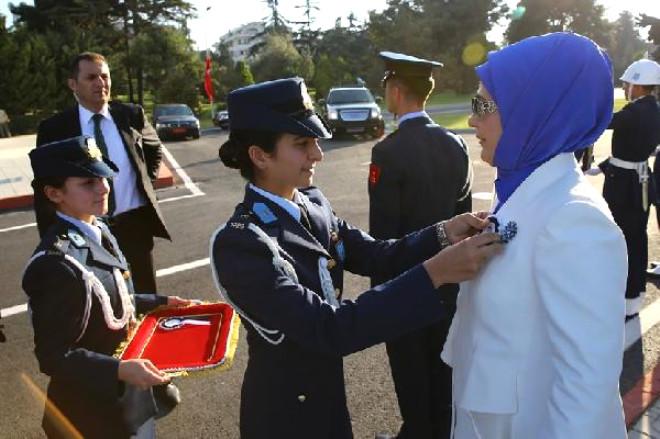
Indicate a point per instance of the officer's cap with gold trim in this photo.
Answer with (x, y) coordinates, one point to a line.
(281, 106)
(407, 66)
(74, 157)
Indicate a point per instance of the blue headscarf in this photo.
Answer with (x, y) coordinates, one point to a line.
(554, 94)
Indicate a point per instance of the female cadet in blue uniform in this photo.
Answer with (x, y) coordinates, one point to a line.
(280, 258)
(82, 303)
(636, 133)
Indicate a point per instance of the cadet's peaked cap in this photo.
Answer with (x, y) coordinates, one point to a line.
(74, 157)
(281, 106)
(398, 64)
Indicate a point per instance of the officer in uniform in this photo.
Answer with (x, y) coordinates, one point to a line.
(636, 133)
(420, 174)
(81, 303)
(279, 261)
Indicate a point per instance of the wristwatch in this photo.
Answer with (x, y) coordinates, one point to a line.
(443, 240)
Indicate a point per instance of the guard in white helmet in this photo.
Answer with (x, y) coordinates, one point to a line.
(627, 189)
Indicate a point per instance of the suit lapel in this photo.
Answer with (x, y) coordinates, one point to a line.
(318, 220)
(95, 252)
(121, 121)
(291, 232)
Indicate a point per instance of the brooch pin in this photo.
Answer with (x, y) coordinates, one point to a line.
(507, 233)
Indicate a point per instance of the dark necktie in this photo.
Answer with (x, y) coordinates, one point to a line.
(100, 142)
(304, 217)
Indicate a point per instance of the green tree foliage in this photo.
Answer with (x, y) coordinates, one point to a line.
(626, 46)
(442, 31)
(168, 64)
(244, 73)
(654, 32)
(279, 58)
(110, 27)
(542, 16)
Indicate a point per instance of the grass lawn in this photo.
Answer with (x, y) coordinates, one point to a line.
(454, 121)
(457, 121)
(448, 98)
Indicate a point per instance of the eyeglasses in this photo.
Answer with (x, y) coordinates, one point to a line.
(481, 106)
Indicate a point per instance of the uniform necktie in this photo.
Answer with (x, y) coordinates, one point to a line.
(100, 142)
(304, 217)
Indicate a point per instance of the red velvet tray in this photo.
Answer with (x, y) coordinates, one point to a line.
(188, 339)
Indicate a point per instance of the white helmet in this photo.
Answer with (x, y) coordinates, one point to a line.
(642, 72)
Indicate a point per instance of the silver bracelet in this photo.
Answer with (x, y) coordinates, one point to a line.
(441, 232)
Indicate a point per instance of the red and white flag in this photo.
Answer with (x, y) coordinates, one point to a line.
(208, 84)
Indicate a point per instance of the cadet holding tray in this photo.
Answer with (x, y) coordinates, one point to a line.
(81, 302)
(279, 260)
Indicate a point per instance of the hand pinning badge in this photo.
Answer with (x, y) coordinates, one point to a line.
(507, 233)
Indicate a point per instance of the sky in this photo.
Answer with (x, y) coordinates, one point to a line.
(225, 15)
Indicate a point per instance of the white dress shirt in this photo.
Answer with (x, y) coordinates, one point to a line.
(126, 194)
(92, 231)
(412, 115)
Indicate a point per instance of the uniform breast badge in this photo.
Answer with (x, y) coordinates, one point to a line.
(183, 340)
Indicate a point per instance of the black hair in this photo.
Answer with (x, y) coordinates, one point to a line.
(39, 185)
(234, 152)
(94, 57)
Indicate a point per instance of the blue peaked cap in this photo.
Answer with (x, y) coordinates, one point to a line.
(282, 106)
(73, 157)
(554, 94)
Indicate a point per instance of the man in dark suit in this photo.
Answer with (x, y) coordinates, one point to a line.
(124, 136)
(419, 175)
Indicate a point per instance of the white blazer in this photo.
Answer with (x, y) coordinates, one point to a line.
(539, 334)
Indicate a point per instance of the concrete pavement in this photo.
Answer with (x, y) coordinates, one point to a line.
(16, 173)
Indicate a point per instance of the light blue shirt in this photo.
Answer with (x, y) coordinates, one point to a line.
(412, 115)
(288, 205)
(92, 231)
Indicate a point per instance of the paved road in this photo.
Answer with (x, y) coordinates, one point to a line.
(211, 401)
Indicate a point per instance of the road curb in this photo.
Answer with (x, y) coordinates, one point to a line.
(642, 396)
(165, 179)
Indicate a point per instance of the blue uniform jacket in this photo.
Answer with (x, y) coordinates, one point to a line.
(83, 375)
(267, 266)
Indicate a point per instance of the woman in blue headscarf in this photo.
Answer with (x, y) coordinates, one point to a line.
(537, 341)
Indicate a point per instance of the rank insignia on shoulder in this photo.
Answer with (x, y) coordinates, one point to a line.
(76, 238)
(264, 213)
(237, 225)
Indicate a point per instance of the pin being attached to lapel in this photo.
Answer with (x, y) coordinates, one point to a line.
(507, 233)
(76, 238)
(264, 213)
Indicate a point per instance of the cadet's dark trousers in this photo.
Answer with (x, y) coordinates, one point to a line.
(135, 237)
(422, 382)
(623, 194)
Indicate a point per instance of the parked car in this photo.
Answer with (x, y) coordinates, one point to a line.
(175, 120)
(221, 119)
(353, 110)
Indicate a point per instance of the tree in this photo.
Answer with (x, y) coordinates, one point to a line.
(654, 32)
(542, 16)
(442, 31)
(172, 70)
(627, 45)
(279, 58)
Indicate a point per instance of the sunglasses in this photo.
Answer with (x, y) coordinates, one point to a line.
(481, 106)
